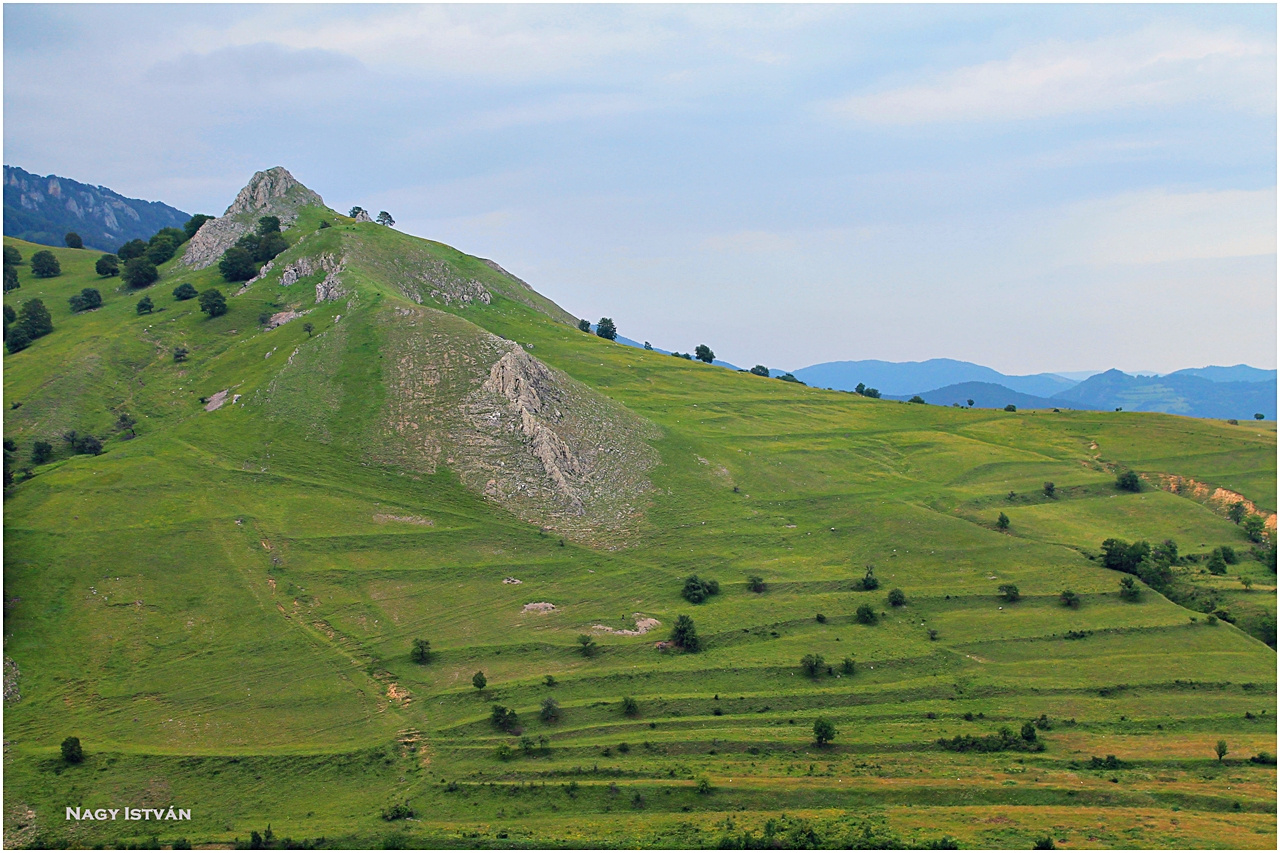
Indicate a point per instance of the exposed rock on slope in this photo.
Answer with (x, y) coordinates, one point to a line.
(546, 447)
(274, 192)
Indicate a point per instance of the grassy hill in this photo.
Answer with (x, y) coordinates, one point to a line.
(222, 608)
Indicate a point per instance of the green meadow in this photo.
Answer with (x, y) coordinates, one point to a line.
(222, 608)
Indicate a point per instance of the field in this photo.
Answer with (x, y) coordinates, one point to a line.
(222, 609)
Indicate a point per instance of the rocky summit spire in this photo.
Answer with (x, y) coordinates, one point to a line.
(273, 192)
(272, 189)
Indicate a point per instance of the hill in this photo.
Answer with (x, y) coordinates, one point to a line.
(385, 440)
(914, 377)
(43, 209)
(986, 395)
(1235, 373)
(1182, 393)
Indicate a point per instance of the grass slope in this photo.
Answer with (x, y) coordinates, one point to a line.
(222, 608)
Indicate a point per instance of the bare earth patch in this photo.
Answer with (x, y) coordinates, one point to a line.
(538, 607)
(383, 518)
(644, 624)
(216, 401)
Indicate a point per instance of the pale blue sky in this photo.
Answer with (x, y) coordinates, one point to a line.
(1028, 187)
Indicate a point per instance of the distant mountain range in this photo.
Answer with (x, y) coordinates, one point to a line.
(915, 377)
(44, 209)
(1206, 392)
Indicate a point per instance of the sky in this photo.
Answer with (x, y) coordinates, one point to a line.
(1033, 188)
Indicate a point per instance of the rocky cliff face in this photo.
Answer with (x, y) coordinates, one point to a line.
(44, 209)
(274, 192)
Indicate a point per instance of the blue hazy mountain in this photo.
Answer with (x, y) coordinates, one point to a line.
(44, 209)
(987, 395)
(1180, 393)
(914, 377)
(1235, 373)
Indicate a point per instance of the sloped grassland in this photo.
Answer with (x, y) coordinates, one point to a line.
(222, 608)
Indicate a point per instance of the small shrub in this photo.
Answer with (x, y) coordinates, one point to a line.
(1129, 589)
(1010, 592)
(180, 354)
(478, 681)
(145, 305)
(184, 292)
(1069, 599)
(1129, 481)
(1002, 522)
(847, 666)
(812, 664)
(820, 619)
(704, 786)
(866, 614)
(755, 583)
(630, 707)
(421, 651)
(869, 581)
(897, 598)
(588, 644)
(550, 711)
(72, 752)
(824, 731)
(697, 591)
(401, 811)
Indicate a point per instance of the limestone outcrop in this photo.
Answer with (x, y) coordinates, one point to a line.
(274, 192)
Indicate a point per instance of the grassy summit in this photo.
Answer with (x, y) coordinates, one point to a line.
(223, 608)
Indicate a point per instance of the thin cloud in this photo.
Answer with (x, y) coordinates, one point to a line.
(1156, 66)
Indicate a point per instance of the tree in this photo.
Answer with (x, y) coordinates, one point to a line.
(866, 614)
(787, 377)
(847, 666)
(897, 598)
(824, 731)
(1129, 482)
(193, 224)
(1069, 598)
(697, 591)
(812, 664)
(1237, 512)
(869, 581)
(72, 752)
(126, 421)
(1220, 749)
(648, 346)
(1216, 564)
(550, 711)
(11, 278)
(1044, 842)
(213, 303)
(86, 300)
(584, 325)
(356, 211)
(755, 583)
(45, 265)
(12, 256)
(630, 707)
(684, 635)
(1010, 592)
(161, 248)
(1002, 522)
(421, 652)
(1258, 416)
(916, 399)
(503, 718)
(87, 445)
(145, 305)
(384, 218)
(1049, 489)
(1129, 589)
(703, 353)
(308, 328)
(1029, 732)
(16, 339)
(1011, 408)
(41, 452)
(237, 264)
(132, 249)
(140, 272)
(478, 681)
(107, 266)
(1121, 556)
(180, 354)
(589, 647)
(605, 329)
(184, 292)
(970, 402)
(1254, 527)
(9, 314)
(73, 241)
(760, 370)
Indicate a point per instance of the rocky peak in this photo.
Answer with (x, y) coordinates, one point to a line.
(273, 192)
(267, 189)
